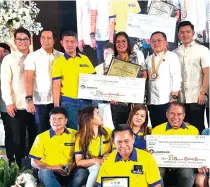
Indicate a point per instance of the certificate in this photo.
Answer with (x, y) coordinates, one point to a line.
(107, 88)
(123, 68)
(180, 151)
(115, 181)
(161, 8)
(142, 26)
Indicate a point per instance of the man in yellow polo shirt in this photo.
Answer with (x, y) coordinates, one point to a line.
(53, 154)
(65, 74)
(176, 126)
(126, 161)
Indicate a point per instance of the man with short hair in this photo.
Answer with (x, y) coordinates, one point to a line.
(13, 94)
(4, 51)
(136, 164)
(176, 126)
(164, 78)
(108, 54)
(38, 80)
(53, 154)
(195, 61)
(66, 71)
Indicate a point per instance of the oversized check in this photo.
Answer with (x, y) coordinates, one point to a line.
(180, 151)
(142, 26)
(107, 88)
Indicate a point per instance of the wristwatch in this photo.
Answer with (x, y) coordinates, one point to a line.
(28, 98)
(204, 93)
(174, 97)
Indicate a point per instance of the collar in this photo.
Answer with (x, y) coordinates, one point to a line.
(19, 54)
(45, 52)
(67, 56)
(161, 54)
(52, 132)
(133, 156)
(189, 45)
(183, 126)
(138, 132)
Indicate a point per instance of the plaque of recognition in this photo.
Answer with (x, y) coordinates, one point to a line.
(122, 68)
(115, 181)
(161, 8)
(179, 151)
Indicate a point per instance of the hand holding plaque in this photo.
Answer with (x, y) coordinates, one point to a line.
(122, 68)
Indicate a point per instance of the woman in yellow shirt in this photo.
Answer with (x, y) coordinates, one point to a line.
(138, 121)
(93, 142)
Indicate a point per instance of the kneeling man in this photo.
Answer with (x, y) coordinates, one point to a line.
(176, 126)
(127, 161)
(53, 154)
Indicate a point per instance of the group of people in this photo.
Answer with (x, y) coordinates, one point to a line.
(36, 84)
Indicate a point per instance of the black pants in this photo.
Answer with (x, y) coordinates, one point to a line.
(42, 117)
(8, 136)
(19, 123)
(120, 114)
(207, 115)
(158, 114)
(194, 114)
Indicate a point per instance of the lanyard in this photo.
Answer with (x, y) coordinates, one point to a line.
(154, 73)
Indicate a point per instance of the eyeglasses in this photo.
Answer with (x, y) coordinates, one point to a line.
(56, 119)
(120, 142)
(22, 39)
(156, 41)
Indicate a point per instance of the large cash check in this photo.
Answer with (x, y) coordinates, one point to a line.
(107, 88)
(180, 151)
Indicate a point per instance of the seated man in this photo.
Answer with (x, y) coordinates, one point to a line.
(128, 161)
(53, 154)
(176, 126)
(202, 178)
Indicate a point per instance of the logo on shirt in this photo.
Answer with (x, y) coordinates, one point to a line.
(105, 142)
(84, 65)
(69, 144)
(137, 169)
(132, 5)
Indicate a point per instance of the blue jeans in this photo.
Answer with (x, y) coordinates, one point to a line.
(42, 117)
(77, 178)
(93, 170)
(100, 50)
(73, 106)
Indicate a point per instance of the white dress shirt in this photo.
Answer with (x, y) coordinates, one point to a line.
(169, 78)
(41, 62)
(12, 80)
(83, 20)
(192, 58)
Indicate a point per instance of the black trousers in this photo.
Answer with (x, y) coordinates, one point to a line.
(8, 136)
(207, 115)
(19, 124)
(120, 114)
(194, 114)
(158, 114)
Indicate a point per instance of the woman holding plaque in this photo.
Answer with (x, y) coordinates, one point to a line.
(93, 143)
(138, 121)
(122, 51)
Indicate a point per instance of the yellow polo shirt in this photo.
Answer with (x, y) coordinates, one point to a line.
(99, 145)
(54, 149)
(119, 10)
(165, 129)
(114, 166)
(68, 70)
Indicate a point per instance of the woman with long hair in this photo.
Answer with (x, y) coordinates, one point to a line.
(123, 51)
(93, 142)
(138, 122)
